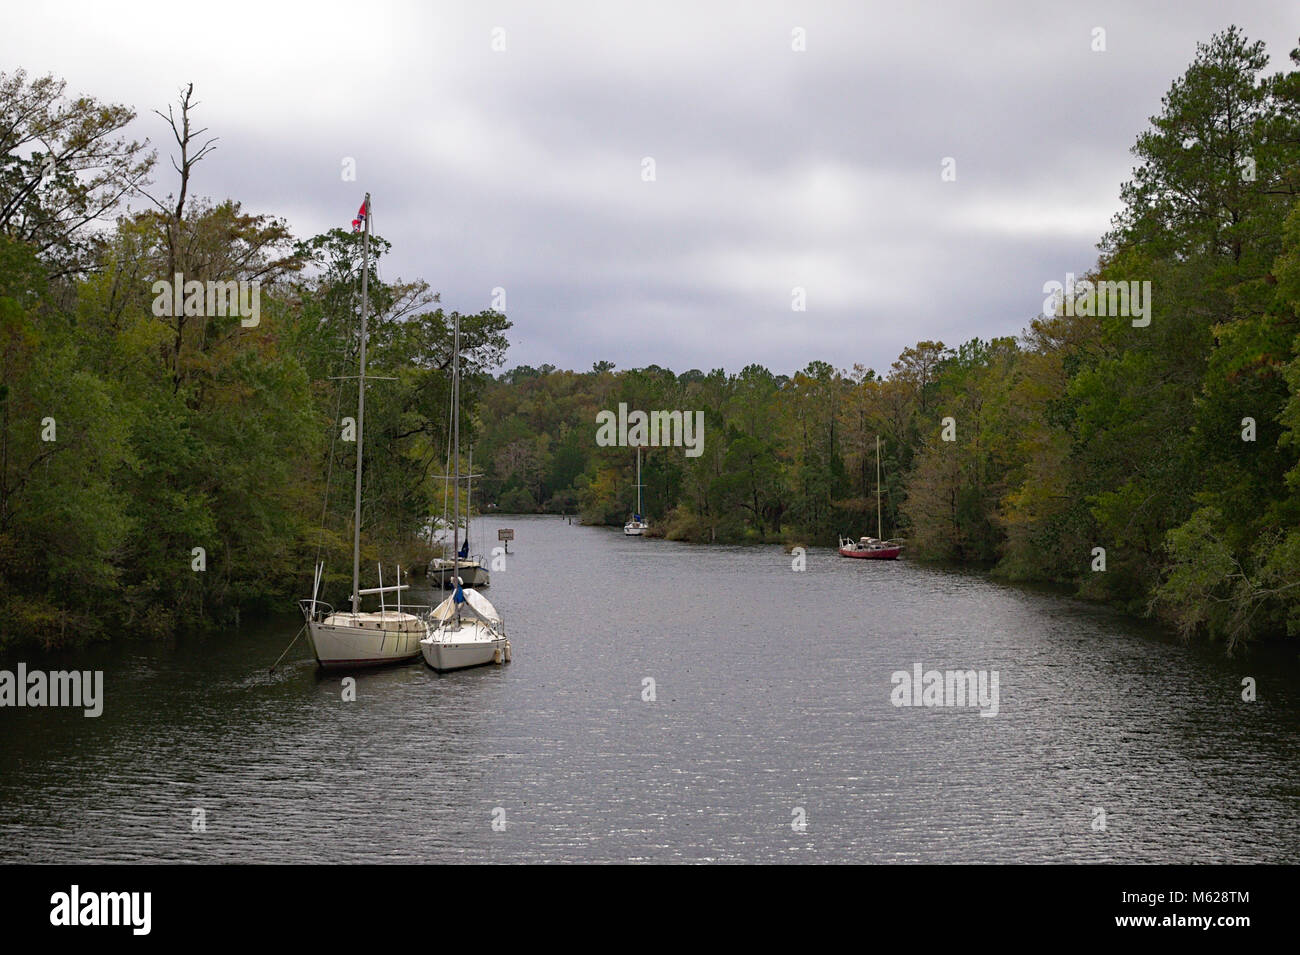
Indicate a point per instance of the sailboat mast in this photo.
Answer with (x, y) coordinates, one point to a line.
(638, 482)
(880, 533)
(469, 492)
(455, 484)
(361, 410)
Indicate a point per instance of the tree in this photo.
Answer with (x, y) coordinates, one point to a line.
(63, 168)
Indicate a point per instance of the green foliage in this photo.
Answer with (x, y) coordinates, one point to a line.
(1174, 444)
(128, 439)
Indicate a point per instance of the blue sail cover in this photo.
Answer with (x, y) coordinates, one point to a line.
(464, 549)
(459, 595)
(637, 518)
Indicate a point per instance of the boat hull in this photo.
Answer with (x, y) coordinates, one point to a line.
(472, 645)
(473, 575)
(343, 647)
(880, 553)
(633, 531)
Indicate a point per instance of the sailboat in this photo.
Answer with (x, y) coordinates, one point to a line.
(467, 631)
(872, 548)
(636, 527)
(471, 570)
(353, 638)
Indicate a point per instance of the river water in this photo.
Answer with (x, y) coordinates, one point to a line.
(771, 735)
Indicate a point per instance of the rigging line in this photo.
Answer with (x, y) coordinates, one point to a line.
(334, 435)
(369, 480)
(447, 470)
(329, 472)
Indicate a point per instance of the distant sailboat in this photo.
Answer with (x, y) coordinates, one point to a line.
(356, 639)
(872, 548)
(466, 629)
(637, 526)
(470, 570)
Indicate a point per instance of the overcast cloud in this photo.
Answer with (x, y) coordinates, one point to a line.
(775, 169)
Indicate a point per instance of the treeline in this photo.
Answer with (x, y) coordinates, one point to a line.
(165, 471)
(1147, 458)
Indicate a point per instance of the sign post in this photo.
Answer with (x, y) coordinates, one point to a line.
(506, 534)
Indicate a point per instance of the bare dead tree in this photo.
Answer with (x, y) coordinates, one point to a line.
(174, 216)
(185, 138)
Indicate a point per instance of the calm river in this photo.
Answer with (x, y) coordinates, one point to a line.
(771, 736)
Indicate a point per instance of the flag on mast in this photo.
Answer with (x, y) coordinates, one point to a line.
(359, 221)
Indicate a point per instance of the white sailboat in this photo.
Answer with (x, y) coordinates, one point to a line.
(466, 630)
(360, 639)
(353, 638)
(637, 526)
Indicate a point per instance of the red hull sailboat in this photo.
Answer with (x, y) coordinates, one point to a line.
(872, 548)
(868, 548)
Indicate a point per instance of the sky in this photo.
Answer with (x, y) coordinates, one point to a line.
(505, 146)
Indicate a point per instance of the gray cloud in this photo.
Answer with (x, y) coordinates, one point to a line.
(776, 169)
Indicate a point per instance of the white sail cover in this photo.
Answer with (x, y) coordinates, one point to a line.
(474, 600)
